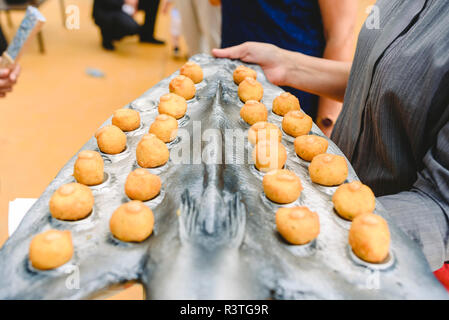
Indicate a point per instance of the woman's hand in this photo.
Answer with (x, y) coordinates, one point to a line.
(272, 59)
(323, 77)
(8, 78)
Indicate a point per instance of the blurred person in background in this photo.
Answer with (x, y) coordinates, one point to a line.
(323, 28)
(8, 77)
(115, 19)
(175, 27)
(150, 7)
(201, 24)
(3, 42)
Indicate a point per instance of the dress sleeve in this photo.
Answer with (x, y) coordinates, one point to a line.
(423, 211)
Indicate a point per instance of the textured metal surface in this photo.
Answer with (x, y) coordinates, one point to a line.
(215, 234)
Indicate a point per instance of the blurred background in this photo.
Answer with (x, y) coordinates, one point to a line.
(64, 94)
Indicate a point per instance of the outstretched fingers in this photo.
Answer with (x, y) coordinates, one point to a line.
(235, 52)
(15, 73)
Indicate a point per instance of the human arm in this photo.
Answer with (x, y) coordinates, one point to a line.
(423, 211)
(319, 76)
(338, 23)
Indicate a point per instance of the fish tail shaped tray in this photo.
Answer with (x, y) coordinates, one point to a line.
(214, 235)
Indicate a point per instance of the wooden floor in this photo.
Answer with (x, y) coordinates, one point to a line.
(56, 107)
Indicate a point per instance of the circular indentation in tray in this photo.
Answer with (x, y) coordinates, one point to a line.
(239, 103)
(116, 157)
(142, 105)
(345, 224)
(194, 104)
(105, 184)
(184, 121)
(274, 206)
(301, 161)
(76, 225)
(173, 143)
(156, 170)
(324, 189)
(153, 203)
(193, 100)
(116, 242)
(111, 239)
(275, 117)
(200, 85)
(260, 174)
(256, 172)
(244, 124)
(386, 264)
(287, 137)
(290, 138)
(304, 250)
(67, 268)
(139, 131)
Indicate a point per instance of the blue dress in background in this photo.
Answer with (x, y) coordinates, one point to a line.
(294, 25)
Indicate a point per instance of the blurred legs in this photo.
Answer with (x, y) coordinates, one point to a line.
(201, 24)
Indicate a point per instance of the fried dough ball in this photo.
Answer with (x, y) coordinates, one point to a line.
(369, 237)
(296, 123)
(328, 169)
(193, 71)
(132, 222)
(250, 89)
(263, 131)
(183, 86)
(165, 127)
(269, 155)
(309, 146)
(253, 111)
(282, 186)
(142, 185)
(173, 105)
(151, 152)
(89, 168)
(297, 225)
(50, 249)
(242, 72)
(353, 199)
(284, 103)
(71, 201)
(111, 139)
(126, 119)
